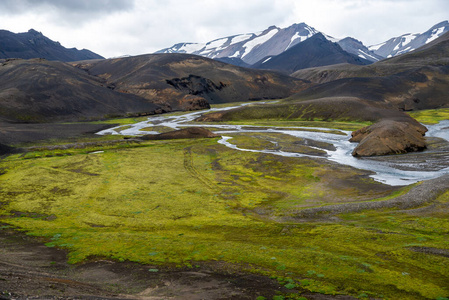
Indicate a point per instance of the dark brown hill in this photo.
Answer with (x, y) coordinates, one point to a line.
(185, 82)
(38, 90)
(415, 89)
(413, 81)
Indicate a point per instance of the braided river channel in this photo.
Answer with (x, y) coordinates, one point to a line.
(397, 170)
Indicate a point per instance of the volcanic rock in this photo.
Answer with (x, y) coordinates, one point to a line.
(191, 102)
(389, 137)
(185, 133)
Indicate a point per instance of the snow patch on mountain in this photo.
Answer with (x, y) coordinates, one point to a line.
(217, 44)
(235, 55)
(267, 59)
(241, 38)
(436, 33)
(332, 39)
(258, 40)
(409, 42)
(376, 47)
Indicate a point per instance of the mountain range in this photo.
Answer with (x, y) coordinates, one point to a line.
(256, 49)
(409, 42)
(251, 50)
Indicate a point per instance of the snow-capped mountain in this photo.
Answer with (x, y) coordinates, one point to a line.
(315, 51)
(356, 47)
(250, 47)
(409, 42)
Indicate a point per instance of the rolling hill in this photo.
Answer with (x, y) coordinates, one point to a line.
(186, 82)
(38, 90)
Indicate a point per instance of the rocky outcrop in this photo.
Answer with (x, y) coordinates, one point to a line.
(389, 137)
(185, 133)
(192, 102)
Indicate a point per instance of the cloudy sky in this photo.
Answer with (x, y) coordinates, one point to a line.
(130, 27)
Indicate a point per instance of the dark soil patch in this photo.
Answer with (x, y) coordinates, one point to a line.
(18, 133)
(429, 250)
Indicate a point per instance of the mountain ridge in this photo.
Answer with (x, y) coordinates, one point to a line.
(250, 48)
(34, 44)
(315, 51)
(409, 42)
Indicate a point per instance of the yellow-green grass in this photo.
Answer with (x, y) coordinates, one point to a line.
(178, 202)
(430, 116)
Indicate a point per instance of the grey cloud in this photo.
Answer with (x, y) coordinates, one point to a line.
(65, 6)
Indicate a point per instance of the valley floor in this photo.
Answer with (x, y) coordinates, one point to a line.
(193, 219)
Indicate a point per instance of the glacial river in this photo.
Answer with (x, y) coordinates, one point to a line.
(392, 170)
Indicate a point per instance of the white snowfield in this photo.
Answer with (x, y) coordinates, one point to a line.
(376, 47)
(190, 48)
(435, 34)
(241, 38)
(258, 40)
(365, 55)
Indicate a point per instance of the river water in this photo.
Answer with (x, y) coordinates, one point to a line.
(392, 170)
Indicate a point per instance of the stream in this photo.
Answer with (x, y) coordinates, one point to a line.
(394, 170)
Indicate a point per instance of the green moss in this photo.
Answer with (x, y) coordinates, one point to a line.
(179, 202)
(430, 116)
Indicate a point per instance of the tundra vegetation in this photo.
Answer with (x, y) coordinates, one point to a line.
(180, 203)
